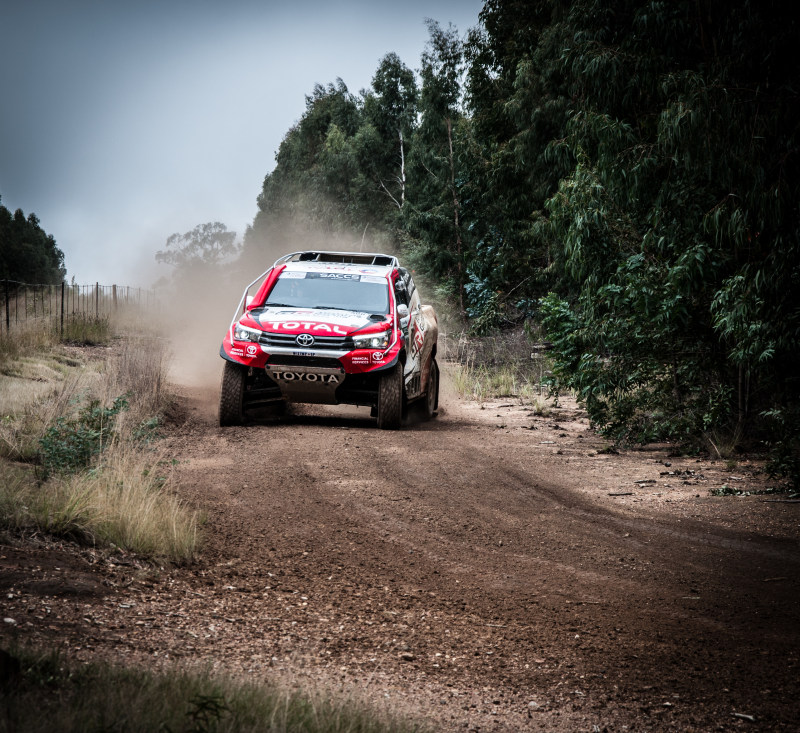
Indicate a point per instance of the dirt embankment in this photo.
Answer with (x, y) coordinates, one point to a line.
(489, 570)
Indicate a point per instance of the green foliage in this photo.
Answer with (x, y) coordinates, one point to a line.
(676, 233)
(784, 441)
(71, 444)
(45, 687)
(27, 253)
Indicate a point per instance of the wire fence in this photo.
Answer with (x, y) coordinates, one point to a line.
(23, 302)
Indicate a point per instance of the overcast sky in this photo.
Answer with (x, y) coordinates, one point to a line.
(124, 121)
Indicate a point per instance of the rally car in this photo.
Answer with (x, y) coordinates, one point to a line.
(331, 328)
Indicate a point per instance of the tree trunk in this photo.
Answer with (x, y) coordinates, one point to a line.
(402, 170)
(456, 222)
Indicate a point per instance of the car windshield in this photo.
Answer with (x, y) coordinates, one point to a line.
(343, 291)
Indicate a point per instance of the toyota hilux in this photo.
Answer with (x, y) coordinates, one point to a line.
(331, 328)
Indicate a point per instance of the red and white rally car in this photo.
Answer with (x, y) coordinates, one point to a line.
(331, 328)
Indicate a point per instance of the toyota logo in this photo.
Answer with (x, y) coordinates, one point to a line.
(305, 339)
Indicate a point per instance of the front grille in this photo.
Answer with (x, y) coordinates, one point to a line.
(303, 361)
(289, 341)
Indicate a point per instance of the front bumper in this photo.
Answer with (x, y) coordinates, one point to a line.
(325, 377)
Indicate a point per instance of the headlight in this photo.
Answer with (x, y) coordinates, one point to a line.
(372, 340)
(242, 333)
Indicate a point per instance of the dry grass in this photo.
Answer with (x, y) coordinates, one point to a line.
(124, 498)
(506, 365)
(124, 501)
(102, 697)
(135, 508)
(138, 368)
(83, 329)
(42, 334)
(29, 405)
(484, 383)
(25, 339)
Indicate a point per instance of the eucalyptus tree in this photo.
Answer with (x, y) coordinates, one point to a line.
(677, 228)
(391, 107)
(517, 105)
(433, 226)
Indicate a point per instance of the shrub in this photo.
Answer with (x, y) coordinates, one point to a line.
(70, 444)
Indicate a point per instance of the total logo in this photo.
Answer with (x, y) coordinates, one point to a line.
(252, 350)
(305, 325)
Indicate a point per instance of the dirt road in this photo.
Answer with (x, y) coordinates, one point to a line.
(489, 570)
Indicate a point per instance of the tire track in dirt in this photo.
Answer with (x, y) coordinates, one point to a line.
(481, 530)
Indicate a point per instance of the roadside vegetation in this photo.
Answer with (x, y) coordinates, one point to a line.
(42, 688)
(79, 453)
(509, 365)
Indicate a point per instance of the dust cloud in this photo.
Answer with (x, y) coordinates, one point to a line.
(199, 304)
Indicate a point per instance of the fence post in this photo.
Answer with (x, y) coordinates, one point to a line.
(97, 300)
(63, 285)
(114, 296)
(8, 316)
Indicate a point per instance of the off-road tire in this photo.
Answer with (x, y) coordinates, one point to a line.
(231, 394)
(432, 395)
(390, 399)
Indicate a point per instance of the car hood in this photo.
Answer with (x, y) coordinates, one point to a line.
(333, 322)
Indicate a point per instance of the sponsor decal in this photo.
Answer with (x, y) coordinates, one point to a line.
(307, 326)
(360, 360)
(330, 321)
(419, 334)
(377, 356)
(332, 276)
(252, 350)
(306, 377)
(304, 353)
(237, 352)
(333, 267)
(305, 339)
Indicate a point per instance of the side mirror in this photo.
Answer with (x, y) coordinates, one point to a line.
(402, 311)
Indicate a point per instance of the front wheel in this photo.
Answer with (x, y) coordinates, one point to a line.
(432, 395)
(390, 399)
(231, 395)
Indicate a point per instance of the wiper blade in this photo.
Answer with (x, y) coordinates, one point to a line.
(280, 305)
